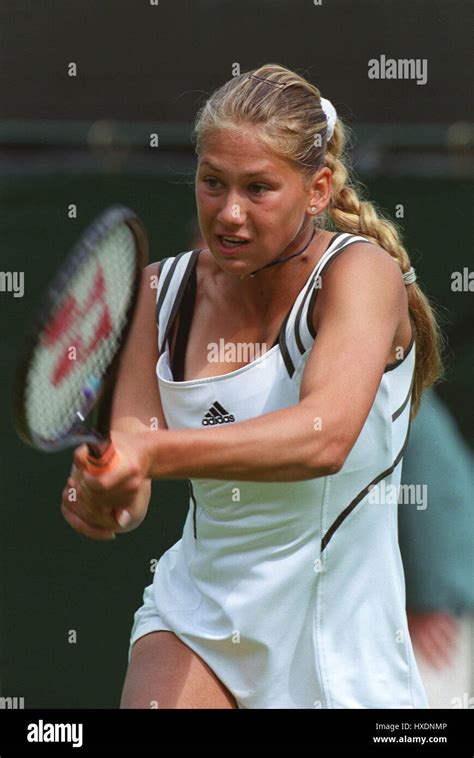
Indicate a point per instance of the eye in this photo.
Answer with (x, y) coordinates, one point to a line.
(255, 186)
(265, 189)
(209, 179)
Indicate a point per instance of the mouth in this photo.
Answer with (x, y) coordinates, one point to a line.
(229, 244)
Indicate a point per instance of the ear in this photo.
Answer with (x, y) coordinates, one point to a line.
(320, 189)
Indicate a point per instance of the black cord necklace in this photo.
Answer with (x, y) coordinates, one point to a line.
(280, 260)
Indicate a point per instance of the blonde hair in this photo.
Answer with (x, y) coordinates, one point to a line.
(289, 121)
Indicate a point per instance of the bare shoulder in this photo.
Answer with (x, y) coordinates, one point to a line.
(366, 256)
(362, 270)
(380, 270)
(147, 296)
(151, 274)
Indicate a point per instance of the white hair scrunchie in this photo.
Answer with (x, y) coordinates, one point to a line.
(331, 116)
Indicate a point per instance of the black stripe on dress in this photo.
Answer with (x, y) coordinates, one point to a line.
(284, 348)
(337, 523)
(281, 338)
(165, 285)
(343, 246)
(400, 410)
(191, 493)
(185, 318)
(181, 288)
(309, 287)
(391, 366)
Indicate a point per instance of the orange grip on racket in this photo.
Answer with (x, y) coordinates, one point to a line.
(96, 466)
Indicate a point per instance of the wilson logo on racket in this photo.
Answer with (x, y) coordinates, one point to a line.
(63, 399)
(64, 328)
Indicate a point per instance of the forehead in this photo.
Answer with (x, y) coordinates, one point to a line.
(240, 152)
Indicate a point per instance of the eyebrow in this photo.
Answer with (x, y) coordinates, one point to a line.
(248, 173)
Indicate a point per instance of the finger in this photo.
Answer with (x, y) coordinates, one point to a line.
(70, 494)
(98, 516)
(81, 526)
(122, 517)
(79, 457)
(92, 515)
(127, 480)
(102, 520)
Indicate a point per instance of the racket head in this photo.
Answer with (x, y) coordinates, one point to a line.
(88, 307)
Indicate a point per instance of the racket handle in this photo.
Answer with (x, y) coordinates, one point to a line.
(101, 457)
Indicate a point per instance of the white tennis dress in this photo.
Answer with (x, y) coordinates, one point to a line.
(292, 592)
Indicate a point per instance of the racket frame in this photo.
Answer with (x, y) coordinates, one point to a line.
(97, 435)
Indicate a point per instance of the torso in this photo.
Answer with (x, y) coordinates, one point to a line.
(213, 319)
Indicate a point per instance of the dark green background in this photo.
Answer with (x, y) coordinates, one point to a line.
(55, 580)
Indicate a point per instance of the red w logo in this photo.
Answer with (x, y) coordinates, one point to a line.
(66, 326)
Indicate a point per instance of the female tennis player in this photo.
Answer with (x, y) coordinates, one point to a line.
(286, 589)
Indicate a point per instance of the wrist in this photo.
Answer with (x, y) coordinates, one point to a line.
(150, 452)
(144, 452)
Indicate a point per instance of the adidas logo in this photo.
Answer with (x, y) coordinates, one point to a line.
(217, 415)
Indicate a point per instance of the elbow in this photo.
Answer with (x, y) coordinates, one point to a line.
(333, 466)
(328, 460)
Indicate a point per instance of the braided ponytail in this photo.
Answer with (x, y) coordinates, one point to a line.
(348, 212)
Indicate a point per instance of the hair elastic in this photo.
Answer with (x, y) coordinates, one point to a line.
(409, 276)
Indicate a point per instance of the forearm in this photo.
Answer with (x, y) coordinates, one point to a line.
(284, 445)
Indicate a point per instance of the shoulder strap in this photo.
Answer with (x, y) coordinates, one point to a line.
(174, 276)
(185, 318)
(297, 335)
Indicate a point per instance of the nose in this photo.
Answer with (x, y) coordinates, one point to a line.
(232, 211)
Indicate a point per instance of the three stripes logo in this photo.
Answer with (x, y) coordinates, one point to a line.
(217, 415)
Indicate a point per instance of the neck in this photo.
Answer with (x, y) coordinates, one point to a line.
(281, 258)
(271, 283)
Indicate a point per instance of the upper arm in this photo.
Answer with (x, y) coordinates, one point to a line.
(137, 400)
(362, 300)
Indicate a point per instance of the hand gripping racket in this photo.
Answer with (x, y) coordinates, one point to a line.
(69, 364)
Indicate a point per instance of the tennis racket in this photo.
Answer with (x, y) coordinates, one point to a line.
(66, 373)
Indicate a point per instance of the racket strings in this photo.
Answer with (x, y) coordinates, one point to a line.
(81, 338)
